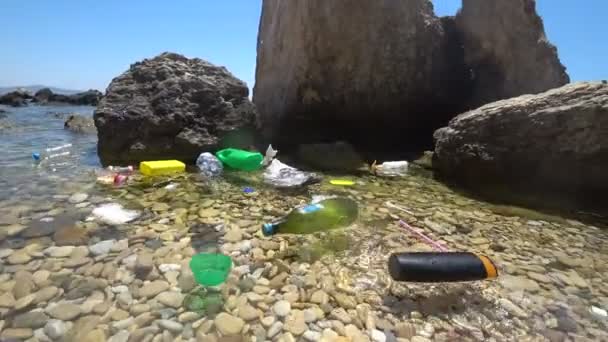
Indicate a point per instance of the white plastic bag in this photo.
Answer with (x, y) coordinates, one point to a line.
(114, 214)
(270, 154)
(284, 176)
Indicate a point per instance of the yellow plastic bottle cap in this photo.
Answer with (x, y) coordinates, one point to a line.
(341, 182)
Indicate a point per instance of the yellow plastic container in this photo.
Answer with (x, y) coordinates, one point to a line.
(161, 167)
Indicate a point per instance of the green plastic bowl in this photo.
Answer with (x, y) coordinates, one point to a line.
(240, 159)
(210, 269)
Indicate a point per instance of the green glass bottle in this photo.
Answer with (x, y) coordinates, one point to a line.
(325, 215)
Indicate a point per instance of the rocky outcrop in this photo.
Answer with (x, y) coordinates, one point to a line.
(80, 124)
(386, 74)
(362, 71)
(507, 50)
(16, 98)
(87, 98)
(554, 145)
(171, 107)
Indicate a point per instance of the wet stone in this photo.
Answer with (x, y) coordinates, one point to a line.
(33, 320)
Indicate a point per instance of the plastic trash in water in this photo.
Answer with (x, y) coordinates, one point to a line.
(52, 152)
(209, 165)
(248, 190)
(121, 169)
(171, 186)
(390, 169)
(210, 269)
(240, 159)
(284, 176)
(114, 214)
(269, 156)
(120, 179)
(343, 182)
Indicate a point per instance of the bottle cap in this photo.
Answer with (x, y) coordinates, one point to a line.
(268, 229)
(36, 156)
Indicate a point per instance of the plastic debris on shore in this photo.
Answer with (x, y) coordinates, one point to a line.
(284, 176)
(114, 214)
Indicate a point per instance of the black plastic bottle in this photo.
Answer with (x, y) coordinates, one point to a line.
(436, 267)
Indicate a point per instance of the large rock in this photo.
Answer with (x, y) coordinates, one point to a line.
(362, 71)
(80, 124)
(16, 98)
(507, 50)
(385, 74)
(171, 107)
(87, 98)
(551, 145)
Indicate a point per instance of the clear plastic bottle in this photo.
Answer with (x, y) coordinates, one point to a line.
(390, 168)
(52, 153)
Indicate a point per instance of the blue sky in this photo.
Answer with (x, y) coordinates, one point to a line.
(82, 44)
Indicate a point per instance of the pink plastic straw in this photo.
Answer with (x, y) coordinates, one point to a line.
(436, 245)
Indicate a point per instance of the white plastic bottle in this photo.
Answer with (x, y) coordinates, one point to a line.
(52, 152)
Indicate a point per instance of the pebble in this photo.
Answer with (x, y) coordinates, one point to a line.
(19, 257)
(275, 329)
(378, 336)
(121, 336)
(64, 311)
(153, 288)
(17, 333)
(102, 247)
(7, 300)
(55, 329)
(77, 198)
(341, 315)
(33, 320)
(312, 336)
(59, 252)
(512, 308)
(295, 323)
(124, 324)
(405, 330)
(164, 268)
(188, 317)
(310, 315)
(515, 283)
(267, 321)
(320, 297)
(24, 302)
(282, 308)
(248, 312)
(171, 299)
(144, 265)
(171, 325)
(347, 302)
(228, 324)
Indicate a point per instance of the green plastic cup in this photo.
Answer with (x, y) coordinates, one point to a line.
(210, 269)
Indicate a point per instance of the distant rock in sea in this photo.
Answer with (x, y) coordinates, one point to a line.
(16, 98)
(87, 98)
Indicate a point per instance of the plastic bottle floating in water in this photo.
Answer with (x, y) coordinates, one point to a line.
(325, 215)
(52, 152)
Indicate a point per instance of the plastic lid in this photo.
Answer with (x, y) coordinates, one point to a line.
(36, 156)
(268, 229)
(210, 269)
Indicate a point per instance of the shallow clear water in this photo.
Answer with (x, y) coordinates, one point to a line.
(552, 270)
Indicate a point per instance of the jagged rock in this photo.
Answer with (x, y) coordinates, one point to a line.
(384, 75)
(551, 145)
(172, 107)
(80, 124)
(16, 98)
(507, 50)
(364, 71)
